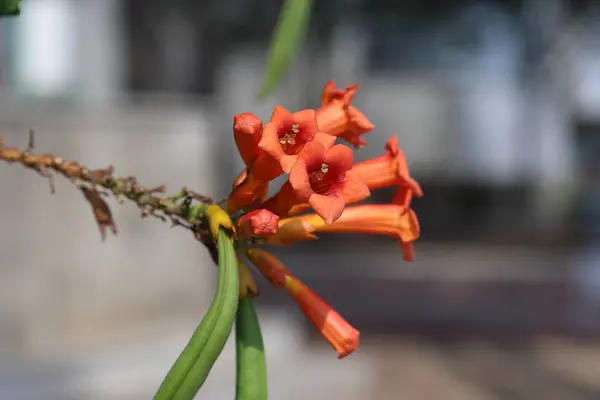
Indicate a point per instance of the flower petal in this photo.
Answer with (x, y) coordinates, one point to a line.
(281, 116)
(359, 120)
(283, 201)
(241, 178)
(329, 207)
(339, 157)
(332, 119)
(415, 227)
(328, 93)
(415, 187)
(312, 154)
(403, 197)
(337, 117)
(391, 145)
(299, 180)
(307, 124)
(354, 189)
(269, 141)
(287, 162)
(349, 94)
(331, 94)
(265, 168)
(408, 251)
(246, 194)
(325, 139)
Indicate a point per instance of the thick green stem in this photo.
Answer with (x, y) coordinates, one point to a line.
(251, 379)
(195, 362)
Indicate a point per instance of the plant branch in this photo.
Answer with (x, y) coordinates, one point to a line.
(185, 208)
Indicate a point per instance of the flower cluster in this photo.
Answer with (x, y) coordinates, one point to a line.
(322, 176)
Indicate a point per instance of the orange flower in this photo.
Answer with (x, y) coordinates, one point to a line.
(404, 196)
(338, 118)
(246, 192)
(374, 219)
(241, 178)
(283, 137)
(269, 266)
(387, 219)
(286, 202)
(342, 336)
(292, 230)
(320, 177)
(386, 170)
(257, 223)
(330, 94)
(247, 130)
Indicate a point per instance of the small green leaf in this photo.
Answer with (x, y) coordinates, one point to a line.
(195, 362)
(288, 35)
(251, 379)
(10, 8)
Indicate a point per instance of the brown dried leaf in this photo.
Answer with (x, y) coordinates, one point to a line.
(102, 212)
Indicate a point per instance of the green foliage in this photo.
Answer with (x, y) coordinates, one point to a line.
(10, 8)
(195, 362)
(251, 379)
(288, 36)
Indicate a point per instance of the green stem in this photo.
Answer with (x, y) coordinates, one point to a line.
(251, 379)
(192, 367)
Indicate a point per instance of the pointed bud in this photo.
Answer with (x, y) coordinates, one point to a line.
(247, 131)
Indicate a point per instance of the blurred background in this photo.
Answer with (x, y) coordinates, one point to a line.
(496, 104)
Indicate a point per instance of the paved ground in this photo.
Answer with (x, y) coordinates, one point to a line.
(407, 368)
(541, 368)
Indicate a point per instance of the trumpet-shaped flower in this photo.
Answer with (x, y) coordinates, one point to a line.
(342, 336)
(338, 118)
(268, 265)
(320, 178)
(331, 94)
(389, 169)
(247, 192)
(283, 137)
(296, 229)
(373, 219)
